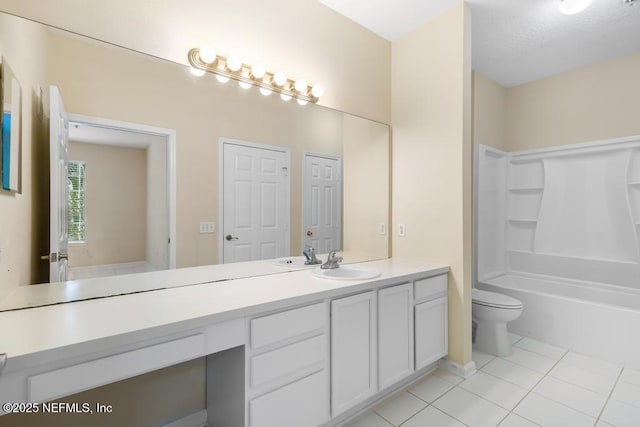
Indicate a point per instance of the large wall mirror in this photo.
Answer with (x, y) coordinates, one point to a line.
(137, 123)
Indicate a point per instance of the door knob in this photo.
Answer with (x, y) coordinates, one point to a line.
(230, 237)
(309, 233)
(54, 257)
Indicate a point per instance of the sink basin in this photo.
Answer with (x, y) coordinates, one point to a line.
(346, 273)
(292, 262)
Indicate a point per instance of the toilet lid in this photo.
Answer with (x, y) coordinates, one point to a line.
(494, 299)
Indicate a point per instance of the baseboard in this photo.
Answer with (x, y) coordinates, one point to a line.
(462, 371)
(197, 419)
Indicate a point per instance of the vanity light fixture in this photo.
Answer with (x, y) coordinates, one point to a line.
(205, 59)
(571, 7)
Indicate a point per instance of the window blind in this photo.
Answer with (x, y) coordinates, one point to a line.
(76, 208)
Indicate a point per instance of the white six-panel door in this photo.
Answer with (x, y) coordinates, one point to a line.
(256, 202)
(322, 203)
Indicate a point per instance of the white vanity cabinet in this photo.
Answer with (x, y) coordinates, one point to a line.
(353, 350)
(371, 344)
(281, 350)
(287, 368)
(431, 323)
(395, 334)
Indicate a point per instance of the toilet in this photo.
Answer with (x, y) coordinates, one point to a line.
(492, 311)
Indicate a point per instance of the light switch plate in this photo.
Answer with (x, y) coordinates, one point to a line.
(383, 229)
(207, 227)
(402, 232)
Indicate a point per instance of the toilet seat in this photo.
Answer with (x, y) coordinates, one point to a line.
(493, 299)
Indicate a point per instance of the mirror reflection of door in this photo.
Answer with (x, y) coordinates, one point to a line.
(113, 207)
(58, 153)
(322, 204)
(256, 201)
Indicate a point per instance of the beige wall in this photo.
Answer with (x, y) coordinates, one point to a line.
(21, 235)
(147, 400)
(489, 112)
(116, 205)
(592, 103)
(432, 158)
(365, 186)
(588, 104)
(301, 37)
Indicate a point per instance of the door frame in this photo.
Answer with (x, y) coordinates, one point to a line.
(170, 138)
(222, 141)
(304, 178)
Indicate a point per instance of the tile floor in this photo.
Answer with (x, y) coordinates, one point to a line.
(537, 385)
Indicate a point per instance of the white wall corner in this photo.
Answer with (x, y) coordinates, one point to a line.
(462, 371)
(197, 419)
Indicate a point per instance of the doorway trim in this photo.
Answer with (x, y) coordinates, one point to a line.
(170, 138)
(222, 141)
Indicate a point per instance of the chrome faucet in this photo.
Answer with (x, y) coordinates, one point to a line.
(310, 254)
(332, 261)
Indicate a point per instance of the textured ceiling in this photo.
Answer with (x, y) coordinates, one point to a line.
(515, 41)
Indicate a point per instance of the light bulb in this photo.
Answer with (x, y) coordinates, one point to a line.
(301, 102)
(265, 91)
(197, 72)
(234, 63)
(279, 78)
(301, 85)
(207, 55)
(285, 97)
(222, 79)
(244, 85)
(258, 71)
(571, 7)
(317, 90)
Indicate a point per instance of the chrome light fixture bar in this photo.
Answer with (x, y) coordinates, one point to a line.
(205, 60)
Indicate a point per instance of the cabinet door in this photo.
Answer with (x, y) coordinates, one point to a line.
(353, 350)
(302, 403)
(395, 334)
(431, 332)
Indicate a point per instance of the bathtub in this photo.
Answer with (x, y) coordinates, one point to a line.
(593, 319)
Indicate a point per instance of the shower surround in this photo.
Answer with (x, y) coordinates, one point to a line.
(558, 228)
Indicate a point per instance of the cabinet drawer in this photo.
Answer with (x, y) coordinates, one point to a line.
(73, 379)
(286, 360)
(287, 324)
(302, 403)
(431, 287)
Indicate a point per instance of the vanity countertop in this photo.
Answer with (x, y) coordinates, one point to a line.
(28, 335)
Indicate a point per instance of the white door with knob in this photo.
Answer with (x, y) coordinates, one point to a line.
(59, 188)
(322, 203)
(255, 201)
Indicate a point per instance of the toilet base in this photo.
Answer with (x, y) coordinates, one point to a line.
(492, 338)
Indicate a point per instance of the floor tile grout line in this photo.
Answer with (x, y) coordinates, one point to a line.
(540, 354)
(382, 416)
(528, 367)
(576, 385)
(610, 394)
(529, 391)
(511, 382)
(493, 403)
(437, 409)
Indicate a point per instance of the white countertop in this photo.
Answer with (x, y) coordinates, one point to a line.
(32, 332)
